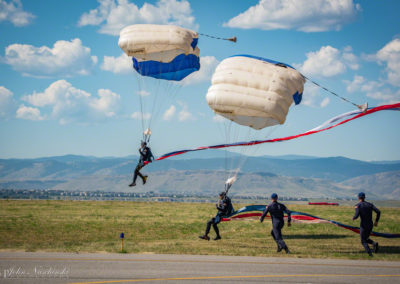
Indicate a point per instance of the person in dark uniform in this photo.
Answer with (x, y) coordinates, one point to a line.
(224, 207)
(364, 211)
(276, 210)
(145, 156)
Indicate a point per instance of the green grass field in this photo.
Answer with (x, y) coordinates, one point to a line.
(173, 228)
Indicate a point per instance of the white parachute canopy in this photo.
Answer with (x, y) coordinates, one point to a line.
(160, 43)
(254, 91)
(161, 56)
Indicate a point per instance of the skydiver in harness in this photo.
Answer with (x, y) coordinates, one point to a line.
(145, 157)
(225, 208)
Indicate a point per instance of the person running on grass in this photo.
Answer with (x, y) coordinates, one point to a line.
(364, 209)
(276, 210)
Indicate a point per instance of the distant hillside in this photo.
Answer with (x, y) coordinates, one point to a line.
(387, 184)
(296, 176)
(211, 182)
(65, 167)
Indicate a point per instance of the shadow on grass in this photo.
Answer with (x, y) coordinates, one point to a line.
(382, 250)
(313, 236)
(389, 249)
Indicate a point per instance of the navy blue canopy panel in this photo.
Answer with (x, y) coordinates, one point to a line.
(180, 67)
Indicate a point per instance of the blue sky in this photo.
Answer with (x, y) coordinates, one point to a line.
(66, 88)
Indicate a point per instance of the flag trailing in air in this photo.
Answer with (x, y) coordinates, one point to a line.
(331, 123)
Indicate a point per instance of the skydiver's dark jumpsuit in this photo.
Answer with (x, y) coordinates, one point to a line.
(364, 210)
(145, 156)
(276, 211)
(225, 208)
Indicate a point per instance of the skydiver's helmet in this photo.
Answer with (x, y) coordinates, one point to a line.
(274, 196)
(361, 195)
(143, 143)
(222, 194)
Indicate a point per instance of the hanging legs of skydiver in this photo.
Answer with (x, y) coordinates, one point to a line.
(136, 174)
(145, 157)
(214, 223)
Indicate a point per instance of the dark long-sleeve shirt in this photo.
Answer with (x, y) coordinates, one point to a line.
(364, 211)
(276, 210)
(225, 206)
(145, 155)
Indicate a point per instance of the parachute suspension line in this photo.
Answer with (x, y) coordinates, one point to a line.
(362, 107)
(164, 95)
(138, 93)
(245, 153)
(232, 39)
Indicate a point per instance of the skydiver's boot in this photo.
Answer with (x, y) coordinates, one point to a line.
(376, 247)
(218, 237)
(286, 250)
(144, 179)
(132, 184)
(204, 237)
(279, 248)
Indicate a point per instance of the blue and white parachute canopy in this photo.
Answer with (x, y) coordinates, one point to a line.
(253, 91)
(161, 51)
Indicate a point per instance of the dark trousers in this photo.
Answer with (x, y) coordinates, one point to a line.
(214, 222)
(276, 233)
(137, 173)
(365, 240)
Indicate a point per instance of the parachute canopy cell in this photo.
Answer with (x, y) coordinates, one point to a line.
(253, 91)
(161, 51)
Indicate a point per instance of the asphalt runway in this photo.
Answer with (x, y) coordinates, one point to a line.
(40, 267)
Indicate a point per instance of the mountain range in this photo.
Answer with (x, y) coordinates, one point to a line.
(292, 176)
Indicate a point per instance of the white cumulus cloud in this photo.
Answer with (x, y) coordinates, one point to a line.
(114, 15)
(359, 83)
(312, 96)
(29, 113)
(390, 55)
(139, 115)
(119, 65)
(69, 104)
(143, 93)
(301, 15)
(328, 62)
(324, 102)
(169, 113)
(185, 114)
(385, 96)
(106, 103)
(376, 90)
(65, 58)
(219, 118)
(7, 103)
(13, 12)
(207, 68)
